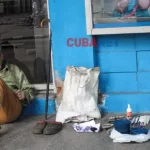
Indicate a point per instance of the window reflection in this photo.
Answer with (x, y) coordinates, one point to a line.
(20, 29)
(120, 11)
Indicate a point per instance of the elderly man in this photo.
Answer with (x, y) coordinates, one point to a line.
(15, 90)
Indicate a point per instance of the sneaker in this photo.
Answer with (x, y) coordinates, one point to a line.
(52, 127)
(39, 127)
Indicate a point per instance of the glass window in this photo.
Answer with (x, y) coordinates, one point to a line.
(121, 11)
(24, 41)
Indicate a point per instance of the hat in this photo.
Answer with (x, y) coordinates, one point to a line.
(122, 126)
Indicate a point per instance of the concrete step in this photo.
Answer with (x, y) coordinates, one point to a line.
(37, 107)
(117, 103)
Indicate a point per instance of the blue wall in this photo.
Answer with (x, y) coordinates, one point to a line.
(68, 21)
(37, 107)
(123, 59)
(125, 71)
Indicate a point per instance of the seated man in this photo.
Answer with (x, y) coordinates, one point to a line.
(15, 90)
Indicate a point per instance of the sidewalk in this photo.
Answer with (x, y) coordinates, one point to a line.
(18, 136)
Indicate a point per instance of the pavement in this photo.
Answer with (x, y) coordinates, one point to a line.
(18, 136)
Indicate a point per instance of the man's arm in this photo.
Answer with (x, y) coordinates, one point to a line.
(25, 86)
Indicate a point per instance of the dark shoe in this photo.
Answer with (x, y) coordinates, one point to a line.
(39, 127)
(52, 128)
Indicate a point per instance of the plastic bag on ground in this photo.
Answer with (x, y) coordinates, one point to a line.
(90, 126)
(126, 138)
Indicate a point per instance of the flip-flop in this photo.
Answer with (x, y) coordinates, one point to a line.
(39, 127)
(52, 127)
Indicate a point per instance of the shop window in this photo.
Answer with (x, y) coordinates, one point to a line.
(117, 16)
(26, 41)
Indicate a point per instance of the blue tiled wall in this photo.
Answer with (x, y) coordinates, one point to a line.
(126, 66)
(118, 82)
(125, 71)
(116, 61)
(123, 59)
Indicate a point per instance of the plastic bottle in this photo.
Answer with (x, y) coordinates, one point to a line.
(129, 112)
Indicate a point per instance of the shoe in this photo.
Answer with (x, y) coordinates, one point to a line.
(39, 127)
(52, 127)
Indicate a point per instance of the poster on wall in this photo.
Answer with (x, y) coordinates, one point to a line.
(126, 16)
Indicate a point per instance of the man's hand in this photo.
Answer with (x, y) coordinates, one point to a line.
(20, 94)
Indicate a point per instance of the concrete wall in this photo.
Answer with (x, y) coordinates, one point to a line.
(123, 59)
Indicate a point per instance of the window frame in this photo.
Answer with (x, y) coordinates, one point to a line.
(43, 86)
(52, 86)
(105, 31)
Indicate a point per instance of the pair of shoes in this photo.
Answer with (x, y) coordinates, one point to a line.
(47, 127)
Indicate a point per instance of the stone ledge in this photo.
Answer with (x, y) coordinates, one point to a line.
(37, 107)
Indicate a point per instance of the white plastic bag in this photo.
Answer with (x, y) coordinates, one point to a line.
(126, 138)
(80, 95)
(87, 127)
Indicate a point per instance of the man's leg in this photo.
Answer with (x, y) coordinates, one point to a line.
(10, 105)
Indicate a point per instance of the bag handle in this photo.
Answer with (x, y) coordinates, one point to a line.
(87, 81)
(78, 71)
